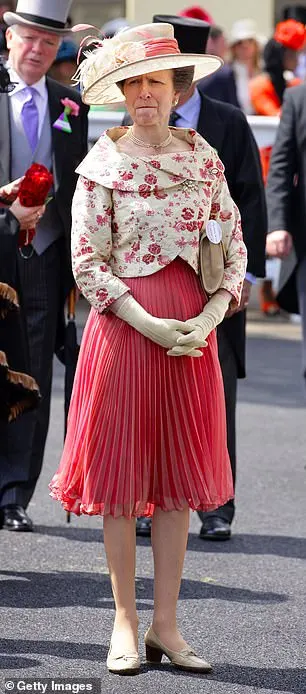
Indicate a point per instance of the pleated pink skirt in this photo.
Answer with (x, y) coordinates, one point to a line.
(145, 429)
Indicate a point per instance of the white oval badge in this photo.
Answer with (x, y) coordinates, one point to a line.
(213, 231)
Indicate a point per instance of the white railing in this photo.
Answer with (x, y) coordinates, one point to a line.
(100, 121)
(264, 127)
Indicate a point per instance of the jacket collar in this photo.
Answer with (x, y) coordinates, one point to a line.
(55, 110)
(105, 165)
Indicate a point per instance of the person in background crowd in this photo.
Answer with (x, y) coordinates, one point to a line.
(112, 27)
(280, 58)
(196, 12)
(231, 83)
(298, 12)
(217, 43)
(245, 55)
(226, 129)
(65, 63)
(27, 117)
(6, 7)
(286, 199)
(267, 90)
(146, 427)
(3, 46)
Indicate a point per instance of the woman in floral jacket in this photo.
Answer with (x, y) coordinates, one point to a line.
(146, 431)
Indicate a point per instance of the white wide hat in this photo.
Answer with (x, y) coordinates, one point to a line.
(242, 30)
(132, 52)
(49, 15)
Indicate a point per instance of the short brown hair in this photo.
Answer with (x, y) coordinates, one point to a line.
(183, 78)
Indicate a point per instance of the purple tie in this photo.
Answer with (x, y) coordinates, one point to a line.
(29, 115)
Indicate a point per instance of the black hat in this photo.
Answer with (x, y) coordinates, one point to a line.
(297, 12)
(191, 34)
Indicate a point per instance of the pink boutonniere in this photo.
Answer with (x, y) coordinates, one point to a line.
(70, 109)
(71, 106)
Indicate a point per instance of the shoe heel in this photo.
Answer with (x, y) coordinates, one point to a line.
(153, 655)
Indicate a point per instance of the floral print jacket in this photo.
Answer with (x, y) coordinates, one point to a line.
(133, 216)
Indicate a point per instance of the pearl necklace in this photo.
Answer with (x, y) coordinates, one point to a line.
(142, 143)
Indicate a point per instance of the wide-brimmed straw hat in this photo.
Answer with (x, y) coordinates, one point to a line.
(133, 52)
(48, 15)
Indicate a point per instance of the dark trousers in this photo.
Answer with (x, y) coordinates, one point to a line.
(230, 375)
(301, 290)
(22, 442)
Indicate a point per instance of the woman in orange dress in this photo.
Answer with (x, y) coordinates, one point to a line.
(280, 60)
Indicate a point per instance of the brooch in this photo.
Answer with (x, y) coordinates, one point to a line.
(190, 185)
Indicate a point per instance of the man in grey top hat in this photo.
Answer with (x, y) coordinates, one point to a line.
(31, 131)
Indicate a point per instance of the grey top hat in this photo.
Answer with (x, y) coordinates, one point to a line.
(49, 15)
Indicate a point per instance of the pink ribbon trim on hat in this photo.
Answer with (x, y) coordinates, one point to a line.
(155, 47)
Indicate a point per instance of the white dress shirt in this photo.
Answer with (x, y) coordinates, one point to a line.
(20, 95)
(189, 112)
(242, 80)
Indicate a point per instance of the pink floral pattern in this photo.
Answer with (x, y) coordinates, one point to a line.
(131, 217)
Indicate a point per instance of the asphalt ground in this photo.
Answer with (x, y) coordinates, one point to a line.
(242, 603)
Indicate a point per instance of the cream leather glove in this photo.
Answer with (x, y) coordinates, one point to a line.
(162, 331)
(212, 314)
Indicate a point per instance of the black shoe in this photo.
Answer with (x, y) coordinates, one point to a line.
(15, 518)
(215, 528)
(143, 526)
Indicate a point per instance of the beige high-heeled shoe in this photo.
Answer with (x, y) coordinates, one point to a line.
(124, 663)
(184, 660)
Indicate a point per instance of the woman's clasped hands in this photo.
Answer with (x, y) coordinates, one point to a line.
(202, 325)
(168, 332)
(180, 338)
(188, 343)
(165, 332)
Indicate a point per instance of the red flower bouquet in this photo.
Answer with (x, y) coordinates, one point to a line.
(33, 191)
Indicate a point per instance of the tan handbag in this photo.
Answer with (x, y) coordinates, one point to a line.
(212, 258)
